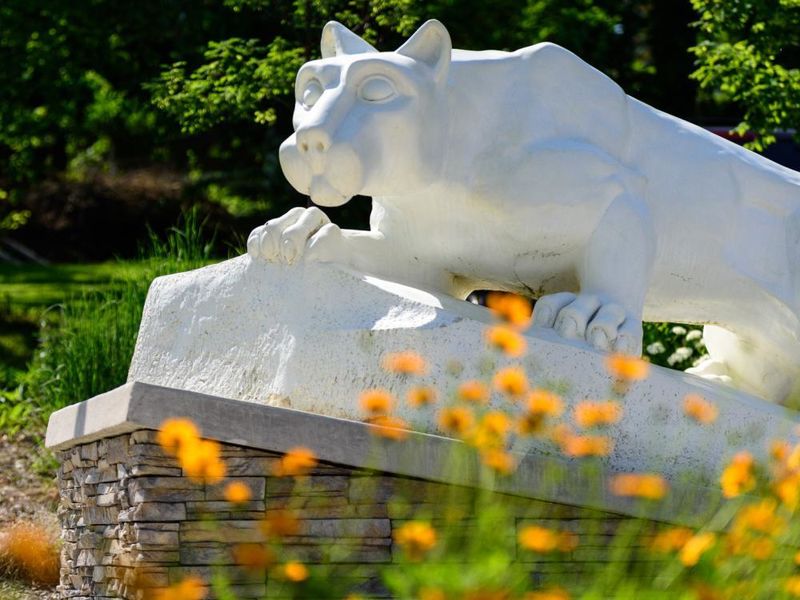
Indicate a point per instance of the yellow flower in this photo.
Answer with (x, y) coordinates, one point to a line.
(507, 340)
(416, 538)
(392, 428)
(593, 414)
(237, 492)
(512, 308)
(699, 409)
(280, 523)
(545, 403)
(695, 547)
(549, 594)
(580, 446)
(474, 391)
(191, 588)
(627, 368)
(200, 461)
(672, 539)
(539, 539)
(498, 460)
(376, 402)
(737, 478)
(295, 571)
(456, 419)
(254, 557)
(297, 462)
(511, 381)
(647, 485)
(792, 585)
(405, 363)
(421, 396)
(176, 433)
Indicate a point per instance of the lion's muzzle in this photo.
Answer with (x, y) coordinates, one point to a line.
(329, 172)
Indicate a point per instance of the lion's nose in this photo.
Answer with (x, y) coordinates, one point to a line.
(313, 141)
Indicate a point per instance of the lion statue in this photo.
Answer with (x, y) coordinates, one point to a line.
(533, 172)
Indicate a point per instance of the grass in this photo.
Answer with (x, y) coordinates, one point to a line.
(69, 330)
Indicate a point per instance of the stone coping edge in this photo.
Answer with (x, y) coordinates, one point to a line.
(135, 406)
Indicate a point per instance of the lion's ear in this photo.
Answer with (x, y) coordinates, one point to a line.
(338, 39)
(431, 45)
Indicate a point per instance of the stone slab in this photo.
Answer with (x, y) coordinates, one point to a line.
(542, 476)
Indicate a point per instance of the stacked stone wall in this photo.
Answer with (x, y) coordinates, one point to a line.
(131, 521)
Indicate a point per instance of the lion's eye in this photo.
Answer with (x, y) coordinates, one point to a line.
(312, 93)
(377, 89)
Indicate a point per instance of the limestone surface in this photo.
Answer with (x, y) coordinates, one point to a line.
(312, 337)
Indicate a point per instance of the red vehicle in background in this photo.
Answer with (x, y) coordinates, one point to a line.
(785, 151)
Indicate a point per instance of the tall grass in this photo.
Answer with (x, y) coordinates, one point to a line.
(88, 348)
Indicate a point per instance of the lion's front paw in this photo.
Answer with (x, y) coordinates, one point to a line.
(604, 325)
(287, 238)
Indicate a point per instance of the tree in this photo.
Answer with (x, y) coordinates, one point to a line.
(749, 54)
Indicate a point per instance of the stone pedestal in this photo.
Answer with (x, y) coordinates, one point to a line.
(132, 520)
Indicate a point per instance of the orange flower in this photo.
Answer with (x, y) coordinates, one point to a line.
(699, 409)
(761, 548)
(416, 538)
(176, 433)
(737, 477)
(295, 571)
(474, 391)
(567, 541)
(647, 485)
(549, 594)
(792, 585)
(280, 523)
(31, 551)
(627, 368)
(671, 540)
(511, 381)
(787, 489)
(580, 446)
(297, 462)
(455, 419)
(405, 363)
(191, 588)
(512, 308)
(428, 593)
(421, 396)
(695, 547)
(237, 492)
(760, 517)
(593, 414)
(498, 460)
(544, 402)
(376, 402)
(538, 539)
(496, 423)
(254, 557)
(392, 428)
(507, 340)
(200, 461)
(779, 450)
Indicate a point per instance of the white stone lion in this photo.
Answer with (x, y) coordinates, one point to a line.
(531, 171)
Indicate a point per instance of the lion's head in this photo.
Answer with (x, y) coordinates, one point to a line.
(369, 122)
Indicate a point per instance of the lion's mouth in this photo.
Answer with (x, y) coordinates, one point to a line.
(324, 194)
